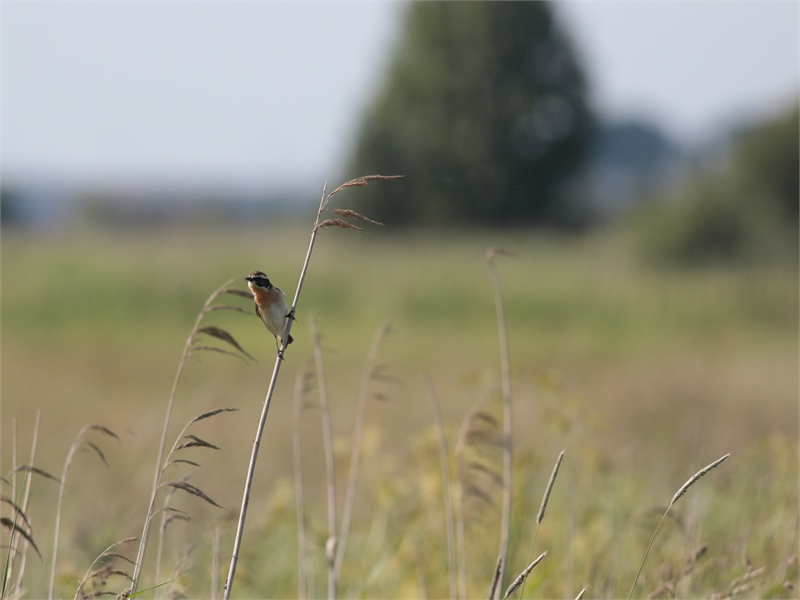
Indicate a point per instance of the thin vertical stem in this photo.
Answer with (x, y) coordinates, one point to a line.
(448, 496)
(302, 592)
(187, 348)
(62, 485)
(355, 456)
(361, 181)
(237, 545)
(505, 517)
(12, 542)
(26, 497)
(215, 564)
(681, 491)
(330, 465)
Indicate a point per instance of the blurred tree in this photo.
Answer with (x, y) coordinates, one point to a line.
(745, 212)
(485, 110)
(9, 206)
(766, 160)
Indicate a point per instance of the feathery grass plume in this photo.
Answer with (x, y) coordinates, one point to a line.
(99, 580)
(179, 571)
(472, 432)
(741, 584)
(16, 528)
(182, 442)
(191, 346)
(76, 445)
(17, 510)
(372, 372)
(361, 181)
(330, 465)
(677, 495)
(505, 367)
(104, 572)
(448, 496)
(542, 508)
(520, 579)
(337, 223)
(301, 388)
(351, 214)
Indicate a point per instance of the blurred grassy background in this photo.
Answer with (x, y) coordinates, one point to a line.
(644, 374)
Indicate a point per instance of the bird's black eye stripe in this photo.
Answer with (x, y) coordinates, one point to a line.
(261, 281)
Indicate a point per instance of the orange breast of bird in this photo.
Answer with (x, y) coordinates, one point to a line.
(273, 308)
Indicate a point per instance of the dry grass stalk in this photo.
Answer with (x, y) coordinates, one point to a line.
(371, 372)
(330, 464)
(543, 507)
(361, 182)
(170, 514)
(271, 389)
(523, 576)
(695, 477)
(16, 528)
(580, 594)
(495, 580)
(466, 488)
(337, 223)
(677, 495)
(76, 444)
(165, 509)
(25, 499)
(91, 573)
(13, 523)
(215, 564)
(460, 516)
(189, 348)
(20, 513)
(505, 366)
(351, 214)
(448, 496)
(301, 388)
(549, 489)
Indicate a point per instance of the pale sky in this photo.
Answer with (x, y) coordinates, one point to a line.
(262, 95)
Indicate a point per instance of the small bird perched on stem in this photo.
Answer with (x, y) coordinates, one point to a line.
(271, 305)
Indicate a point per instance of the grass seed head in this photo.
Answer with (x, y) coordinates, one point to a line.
(697, 476)
(337, 223)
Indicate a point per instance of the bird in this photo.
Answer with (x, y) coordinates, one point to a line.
(271, 305)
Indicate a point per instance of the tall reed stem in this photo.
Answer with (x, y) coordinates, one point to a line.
(358, 182)
(299, 390)
(448, 495)
(330, 463)
(355, 456)
(25, 499)
(237, 545)
(76, 444)
(505, 516)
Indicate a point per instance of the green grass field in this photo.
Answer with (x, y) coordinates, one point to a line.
(643, 375)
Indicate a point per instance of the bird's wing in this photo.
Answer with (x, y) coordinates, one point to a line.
(258, 312)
